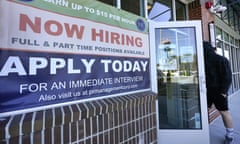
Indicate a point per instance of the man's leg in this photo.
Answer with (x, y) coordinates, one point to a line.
(227, 120)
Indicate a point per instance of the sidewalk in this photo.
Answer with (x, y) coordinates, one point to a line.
(217, 130)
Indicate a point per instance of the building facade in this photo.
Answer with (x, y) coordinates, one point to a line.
(226, 22)
(226, 25)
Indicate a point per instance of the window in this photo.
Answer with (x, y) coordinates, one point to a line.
(138, 7)
(231, 15)
(218, 33)
(228, 46)
(134, 6)
(110, 2)
(225, 37)
(225, 13)
(236, 22)
(180, 11)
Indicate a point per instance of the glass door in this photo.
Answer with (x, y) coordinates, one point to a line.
(178, 79)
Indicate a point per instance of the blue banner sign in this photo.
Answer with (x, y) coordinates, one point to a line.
(50, 57)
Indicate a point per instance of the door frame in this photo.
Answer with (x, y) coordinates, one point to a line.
(183, 136)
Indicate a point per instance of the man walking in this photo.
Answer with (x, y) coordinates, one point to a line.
(218, 81)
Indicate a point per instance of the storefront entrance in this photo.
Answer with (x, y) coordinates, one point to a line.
(178, 79)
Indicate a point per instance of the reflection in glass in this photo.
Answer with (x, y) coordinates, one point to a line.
(177, 73)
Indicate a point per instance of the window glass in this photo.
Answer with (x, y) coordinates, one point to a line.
(238, 67)
(180, 11)
(218, 33)
(177, 73)
(134, 6)
(231, 17)
(219, 47)
(226, 50)
(110, 2)
(236, 22)
(231, 40)
(166, 2)
(225, 13)
(234, 57)
(225, 37)
(236, 43)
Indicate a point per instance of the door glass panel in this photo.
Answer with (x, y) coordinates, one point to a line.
(178, 81)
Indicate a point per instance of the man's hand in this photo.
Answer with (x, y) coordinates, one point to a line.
(224, 95)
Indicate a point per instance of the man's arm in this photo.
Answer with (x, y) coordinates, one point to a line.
(226, 76)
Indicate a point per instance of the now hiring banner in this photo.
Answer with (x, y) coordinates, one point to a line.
(60, 52)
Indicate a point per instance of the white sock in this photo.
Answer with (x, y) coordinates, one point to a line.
(229, 132)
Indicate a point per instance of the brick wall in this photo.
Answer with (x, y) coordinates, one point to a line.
(123, 119)
(197, 11)
(194, 9)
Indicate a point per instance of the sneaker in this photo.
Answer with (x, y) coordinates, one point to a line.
(228, 140)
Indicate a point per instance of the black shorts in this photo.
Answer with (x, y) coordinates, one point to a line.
(215, 97)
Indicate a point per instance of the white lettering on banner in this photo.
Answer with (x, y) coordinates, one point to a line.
(33, 87)
(47, 97)
(90, 82)
(128, 79)
(15, 65)
(58, 2)
(124, 66)
(91, 10)
(36, 63)
(76, 6)
(58, 85)
(42, 86)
